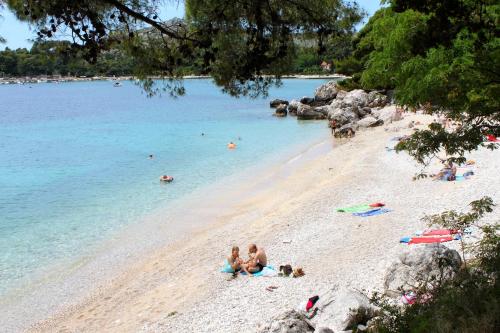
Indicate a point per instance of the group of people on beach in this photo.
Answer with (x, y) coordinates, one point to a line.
(257, 260)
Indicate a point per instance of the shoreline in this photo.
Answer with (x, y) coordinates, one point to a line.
(163, 293)
(63, 79)
(66, 287)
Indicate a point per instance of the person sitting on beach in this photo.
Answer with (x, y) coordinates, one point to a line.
(257, 261)
(234, 259)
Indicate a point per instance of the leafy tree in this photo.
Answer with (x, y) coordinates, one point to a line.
(236, 42)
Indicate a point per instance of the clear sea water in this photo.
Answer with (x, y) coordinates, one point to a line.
(74, 166)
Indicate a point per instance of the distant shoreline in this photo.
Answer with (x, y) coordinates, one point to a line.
(59, 79)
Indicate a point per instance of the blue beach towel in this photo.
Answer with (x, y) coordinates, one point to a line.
(373, 212)
(266, 271)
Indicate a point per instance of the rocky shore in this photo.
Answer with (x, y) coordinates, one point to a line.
(347, 111)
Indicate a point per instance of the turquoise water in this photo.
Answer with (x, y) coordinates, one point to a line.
(74, 166)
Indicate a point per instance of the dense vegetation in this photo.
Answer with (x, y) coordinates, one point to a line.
(52, 58)
(442, 57)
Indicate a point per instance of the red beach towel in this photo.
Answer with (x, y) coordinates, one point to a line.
(440, 232)
(423, 240)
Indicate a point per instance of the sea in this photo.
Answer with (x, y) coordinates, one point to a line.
(75, 166)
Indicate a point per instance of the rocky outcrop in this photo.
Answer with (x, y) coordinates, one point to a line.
(307, 100)
(306, 112)
(370, 121)
(376, 99)
(357, 98)
(389, 114)
(293, 107)
(326, 92)
(276, 102)
(342, 115)
(288, 322)
(281, 110)
(433, 262)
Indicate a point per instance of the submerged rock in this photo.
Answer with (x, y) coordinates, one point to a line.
(430, 261)
(281, 110)
(293, 107)
(276, 102)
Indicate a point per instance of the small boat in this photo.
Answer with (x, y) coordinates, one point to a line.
(117, 84)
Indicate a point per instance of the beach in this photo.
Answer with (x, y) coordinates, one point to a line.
(178, 288)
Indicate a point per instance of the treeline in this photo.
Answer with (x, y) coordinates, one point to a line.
(52, 58)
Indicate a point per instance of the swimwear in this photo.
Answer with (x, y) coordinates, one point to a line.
(260, 266)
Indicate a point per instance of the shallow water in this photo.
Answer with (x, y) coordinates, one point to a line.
(74, 165)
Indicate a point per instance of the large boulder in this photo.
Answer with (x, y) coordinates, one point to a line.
(306, 112)
(322, 109)
(276, 102)
(293, 107)
(389, 114)
(307, 100)
(376, 99)
(341, 94)
(430, 262)
(281, 110)
(363, 111)
(343, 115)
(343, 309)
(370, 121)
(288, 322)
(357, 98)
(326, 92)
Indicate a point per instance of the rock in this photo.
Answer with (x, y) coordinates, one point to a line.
(326, 92)
(344, 309)
(420, 262)
(346, 131)
(276, 102)
(389, 114)
(293, 106)
(307, 100)
(341, 94)
(370, 121)
(322, 109)
(323, 330)
(357, 97)
(306, 112)
(362, 328)
(363, 111)
(288, 322)
(376, 99)
(281, 110)
(343, 115)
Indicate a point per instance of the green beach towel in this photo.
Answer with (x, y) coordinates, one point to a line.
(355, 209)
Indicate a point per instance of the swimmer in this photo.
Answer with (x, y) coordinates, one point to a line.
(231, 145)
(151, 156)
(166, 178)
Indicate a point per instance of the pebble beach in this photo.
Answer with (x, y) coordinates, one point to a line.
(179, 288)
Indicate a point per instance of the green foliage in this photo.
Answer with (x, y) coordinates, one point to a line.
(443, 56)
(245, 45)
(469, 302)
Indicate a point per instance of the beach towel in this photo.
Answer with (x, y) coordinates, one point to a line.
(359, 208)
(439, 232)
(267, 271)
(427, 240)
(372, 212)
